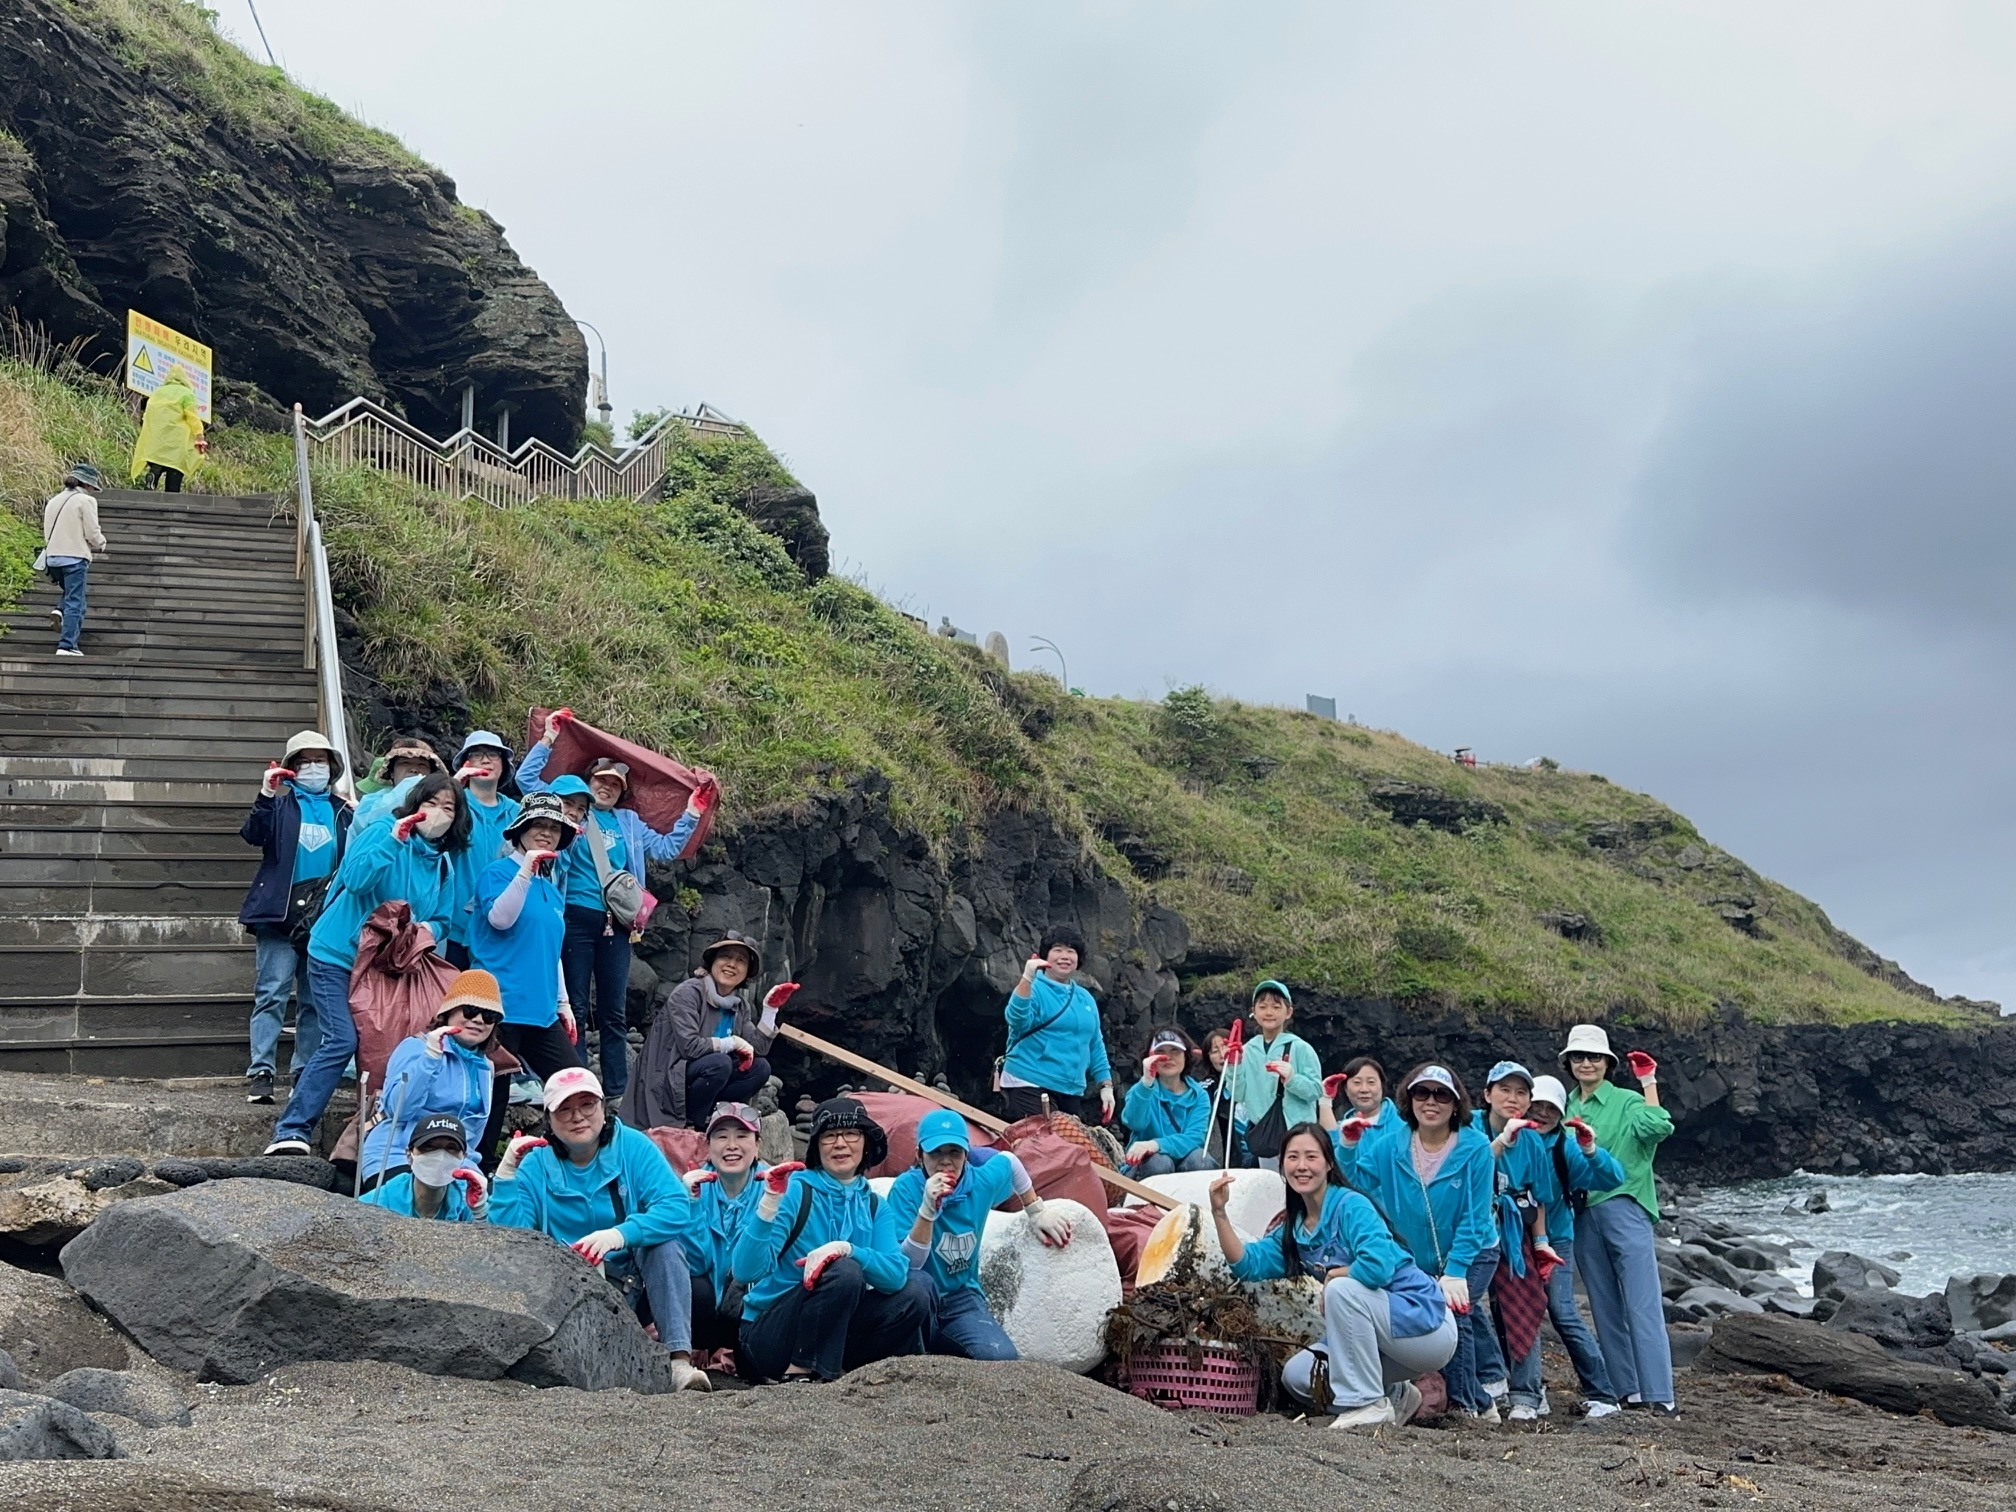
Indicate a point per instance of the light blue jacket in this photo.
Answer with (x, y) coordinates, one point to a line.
(1349, 1231)
(1174, 1120)
(953, 1260)
(1446, 1225)
(709, 1240)
(1066, 1054)
(486, 844)
(640, 841)
(376, 869)
(396, 1196)
(1253, 1084)
(1600, 1172)
(552, 1194)
(457, 1082)
(848, 1211)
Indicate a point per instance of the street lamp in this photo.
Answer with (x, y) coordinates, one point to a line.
(602, 382)
(1040, 644)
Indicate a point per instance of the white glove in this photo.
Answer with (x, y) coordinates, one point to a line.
(698, 1177)
(734, 1044)
(822, 1257)
(1457, 1290)
(1106, 1103)
(1136, 1153)
(1051, 1225)
(937, 1188)
(595, 1247)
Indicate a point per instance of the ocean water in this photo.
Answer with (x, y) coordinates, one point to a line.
(1925, 1227)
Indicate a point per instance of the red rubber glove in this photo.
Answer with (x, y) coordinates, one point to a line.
(1235, 1042)
(1584, 1135)
(542, 860)
(697, 1179)
(464, 774)
(567, 1022)
(823, 1256)
(777, 1180)
(475, 1190)
(520, 1146)
(704, 796)
(744, 1059)
(1333, 1085)
(1280, 1068)
(1514, 1127)
(779, 995)
(1353, 1129)
(406, 828)
(1549, 1260)
(1642, 1065)
(269, 785)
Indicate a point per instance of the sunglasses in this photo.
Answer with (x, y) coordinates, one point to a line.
(1432, 1094)
(478, 1015)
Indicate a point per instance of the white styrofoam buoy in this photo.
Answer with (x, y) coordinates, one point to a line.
(1254, 1201)
(1291, 1308)
(1052, 1302)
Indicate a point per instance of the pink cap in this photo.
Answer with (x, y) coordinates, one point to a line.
(571, 1081)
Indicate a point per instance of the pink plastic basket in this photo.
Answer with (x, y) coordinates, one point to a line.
(1226, 1383)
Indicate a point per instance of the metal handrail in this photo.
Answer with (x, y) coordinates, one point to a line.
(470, 465)
(318, 628)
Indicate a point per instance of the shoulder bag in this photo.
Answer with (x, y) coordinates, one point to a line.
(41, 562)
(627, 900)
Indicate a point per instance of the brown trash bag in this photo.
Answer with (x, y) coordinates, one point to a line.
(684, 1149)
(1057, 1167)
(396, 988)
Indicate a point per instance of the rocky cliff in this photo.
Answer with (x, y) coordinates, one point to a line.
(146, 163)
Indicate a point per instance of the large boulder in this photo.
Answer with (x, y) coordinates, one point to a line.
(1977, 1303)
(1848, 1364)
(1894, 1320)
(1838, 1272)
(46, 1329)
(1052, 1302)
(233, 1279)
(148, 1400)
(37, 1428)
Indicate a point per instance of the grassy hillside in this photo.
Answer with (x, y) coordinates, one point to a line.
(1337, 857)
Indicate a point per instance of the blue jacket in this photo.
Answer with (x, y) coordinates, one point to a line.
(953, 1260)
(1174, 1120)
(1447, 1226)
(274, 825)
(1066, 1053)
(709, 1240)
(1349, 1231)
(417, 1085)
(850, 1212)
(396, 1196)
(1253, 1084)
(640, 841)
(1600, 1172)
(552, 1194)
(486, 844)
(377, 869)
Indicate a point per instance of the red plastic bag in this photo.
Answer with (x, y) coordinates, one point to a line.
(684, 1149)
(396, 988)
(659, 786)
(1056, 1166)
(898, 1113)
(1128, 1229)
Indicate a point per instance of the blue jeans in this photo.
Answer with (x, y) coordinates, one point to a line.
(280, 972)
(668, 1287)
(1477, 1359)
(71, 579)
(1621, 1270)
(1566, 1315)
(329, 987)
(596, 952)
(961, 1325)
(1161, 1165)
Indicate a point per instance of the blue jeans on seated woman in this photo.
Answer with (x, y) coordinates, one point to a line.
(961, 1324)
(1159, 1164)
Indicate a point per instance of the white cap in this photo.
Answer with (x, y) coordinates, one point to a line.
(1548, 1089)
(570, 1081)
(1588, 1039)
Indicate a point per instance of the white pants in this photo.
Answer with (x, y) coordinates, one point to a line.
(1364, 1357)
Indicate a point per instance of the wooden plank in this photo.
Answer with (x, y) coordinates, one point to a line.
(987, 1121)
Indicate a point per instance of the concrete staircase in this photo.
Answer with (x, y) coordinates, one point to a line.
(124, 777)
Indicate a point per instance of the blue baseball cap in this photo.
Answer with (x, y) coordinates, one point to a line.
(941, 1127)
(569, 786)
(1507, 1068)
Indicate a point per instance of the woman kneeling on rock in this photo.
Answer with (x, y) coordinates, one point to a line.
(1384, 1321)
(829, 1287)
(606, 1192)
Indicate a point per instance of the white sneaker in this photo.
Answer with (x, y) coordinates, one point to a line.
(1595, 1410)
(1488, 1415)
(65, 651)
(1406, 1400)
(1521, 1413)
(686, 1376)
(288, 1147)
(1496, 1389)
(1377, 1414)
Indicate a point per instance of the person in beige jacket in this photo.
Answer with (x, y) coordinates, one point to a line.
(70, 540)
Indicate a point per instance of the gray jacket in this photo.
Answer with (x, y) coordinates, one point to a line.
(682, 1031)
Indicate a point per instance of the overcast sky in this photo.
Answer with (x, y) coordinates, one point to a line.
(1626, 384)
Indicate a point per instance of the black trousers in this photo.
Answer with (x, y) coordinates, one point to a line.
(714, 1328)
(170, 478)
(1027, 1102)
(545, 1051)
(838, 1326)
(713, 1079)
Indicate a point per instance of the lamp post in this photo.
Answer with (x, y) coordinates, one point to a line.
(602, 382)
(1038, 643)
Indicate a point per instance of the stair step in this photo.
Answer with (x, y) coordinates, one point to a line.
(57, 728)
(116, 932)
(29, 869)
(191, 661)
(133, 633)
(193, 767)
(80, 677)
(30, 974)
(217, 843)
(153, 899)
(232, 749)
(135, 1021)
(49, 791)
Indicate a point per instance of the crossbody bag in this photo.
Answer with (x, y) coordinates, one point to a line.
(628, 901)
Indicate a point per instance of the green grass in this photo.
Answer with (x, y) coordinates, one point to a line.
(179, 41)
(677, 623)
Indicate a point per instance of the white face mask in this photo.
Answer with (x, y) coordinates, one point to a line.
(436, 824)
(435, 1168)
(313, 777)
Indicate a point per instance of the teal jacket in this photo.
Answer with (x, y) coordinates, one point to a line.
(569, 1202)
(376, 869)
(1600, 1172)
(1253, 1084)
(1349, 1231)
(396, 1196)
(486, 844)
(709, 1240)
(953, 1260)
(1449, 1223)
(848, 1211)
(1174, 1120)
(1067, 1049)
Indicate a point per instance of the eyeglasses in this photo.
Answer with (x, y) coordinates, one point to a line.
(853, 1134)
(1432, 1094)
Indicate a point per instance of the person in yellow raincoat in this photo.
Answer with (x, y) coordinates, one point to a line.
(171, 435)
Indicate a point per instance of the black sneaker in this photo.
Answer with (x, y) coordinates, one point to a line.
(1663, 1409)
(288, 1147)
(259, 1087)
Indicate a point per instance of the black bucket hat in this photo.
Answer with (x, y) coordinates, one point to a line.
(740, 941)
(837, 1114)
(542, 806)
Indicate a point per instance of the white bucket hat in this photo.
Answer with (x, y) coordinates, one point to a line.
(1548, 1089)
(313, 740)
(1588, 1039)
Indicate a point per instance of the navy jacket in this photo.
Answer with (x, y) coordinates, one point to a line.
(274, 825)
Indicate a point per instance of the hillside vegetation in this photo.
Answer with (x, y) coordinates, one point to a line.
(1337, 857)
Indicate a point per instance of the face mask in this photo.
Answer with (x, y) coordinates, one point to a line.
(436, 824)
(312, 778)
(435, 1168)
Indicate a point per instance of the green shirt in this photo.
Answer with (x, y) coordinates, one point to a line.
(1630, 1128)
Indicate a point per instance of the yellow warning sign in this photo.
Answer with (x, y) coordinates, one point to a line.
(153, 350)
